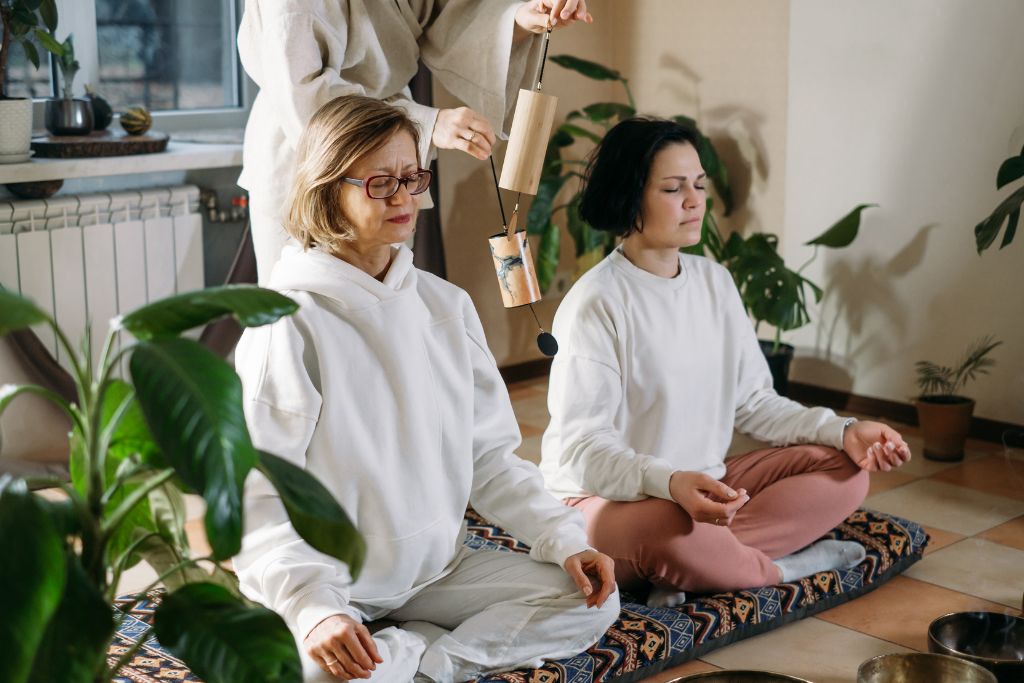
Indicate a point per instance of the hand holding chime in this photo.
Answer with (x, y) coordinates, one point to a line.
(524, 161)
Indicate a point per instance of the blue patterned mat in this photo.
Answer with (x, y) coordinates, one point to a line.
(644, 640)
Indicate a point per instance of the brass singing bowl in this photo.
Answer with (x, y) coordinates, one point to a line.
(922, 668)
(740, 677)
(989, 639)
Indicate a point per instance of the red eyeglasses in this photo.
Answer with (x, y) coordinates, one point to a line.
(384, 186)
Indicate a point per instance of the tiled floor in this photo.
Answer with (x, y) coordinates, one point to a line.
(974, 512)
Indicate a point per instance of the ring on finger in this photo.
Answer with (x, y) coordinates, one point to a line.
(330, 662)
(717, 521)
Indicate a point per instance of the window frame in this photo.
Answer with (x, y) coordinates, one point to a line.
(78, 17)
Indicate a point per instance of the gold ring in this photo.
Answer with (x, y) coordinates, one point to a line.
(472, 136)
(716, 521)
(330, 662)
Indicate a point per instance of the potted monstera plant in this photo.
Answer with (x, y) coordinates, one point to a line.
(176, 425)
(19, 18)
(945, 415)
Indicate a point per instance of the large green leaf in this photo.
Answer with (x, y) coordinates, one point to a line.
(843, 231)
(75, 645)
(49, 42)
(589, 69)
(579, 132)
(547, 256)
(192, 402)
(539, 215)
(31, 53)
(32, 572)
(17, 312)
(48, 11)
(1010, 170)
(1008, 210)
(223, 640)
(251, 306)
(601, 112)
(314, 513)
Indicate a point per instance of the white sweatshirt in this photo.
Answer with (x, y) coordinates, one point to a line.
(386, 392)
(304, 53)
(651, 377)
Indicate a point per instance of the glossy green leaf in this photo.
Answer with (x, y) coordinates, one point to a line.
(49, 43)
(31, 53)
(314, 513)
(843, 231)
(75, 645)
(1010, 170)
(601, 112)
(1011, 228)
(547, 256)
(251, 306)
(539, 215)
(192, 402)
(589, 69)
(986, 231)
(223, 640)
(579, 132)
(163, 555)
(17, 312)
(48, 12)
(33, 573)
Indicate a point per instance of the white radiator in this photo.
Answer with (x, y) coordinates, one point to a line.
(91, 257)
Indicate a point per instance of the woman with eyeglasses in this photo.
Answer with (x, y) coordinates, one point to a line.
(658, 364)
(382, 386)
(303, 53)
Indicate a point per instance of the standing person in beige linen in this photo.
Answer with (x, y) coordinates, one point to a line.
(304, 53)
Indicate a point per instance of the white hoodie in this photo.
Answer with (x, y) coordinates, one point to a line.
(387, 393)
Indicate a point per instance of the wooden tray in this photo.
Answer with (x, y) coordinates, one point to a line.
(98, 144)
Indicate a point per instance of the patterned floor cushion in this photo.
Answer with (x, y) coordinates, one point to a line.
(644, 640)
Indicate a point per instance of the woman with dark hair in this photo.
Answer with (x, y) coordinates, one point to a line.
(658, 364)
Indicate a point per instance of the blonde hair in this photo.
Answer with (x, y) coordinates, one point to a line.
(340, 133)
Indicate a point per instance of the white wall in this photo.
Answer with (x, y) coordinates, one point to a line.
(911, 105)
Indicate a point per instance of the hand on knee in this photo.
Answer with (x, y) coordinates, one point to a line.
(343, 647)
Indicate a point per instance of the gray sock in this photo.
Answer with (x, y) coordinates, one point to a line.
(822, 556)
(665, 597)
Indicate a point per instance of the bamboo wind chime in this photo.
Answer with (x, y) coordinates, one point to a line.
(520, 173)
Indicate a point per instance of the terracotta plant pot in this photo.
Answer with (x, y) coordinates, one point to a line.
(945, 422)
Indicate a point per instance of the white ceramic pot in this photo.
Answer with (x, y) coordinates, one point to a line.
(15, 127)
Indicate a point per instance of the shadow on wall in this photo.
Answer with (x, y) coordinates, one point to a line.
(857, 293)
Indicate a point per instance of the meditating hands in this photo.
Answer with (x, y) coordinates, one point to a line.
(591, 563)
(875, 446)
(706, 499)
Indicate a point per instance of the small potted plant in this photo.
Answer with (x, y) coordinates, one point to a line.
(67, 115)
(20, 18)
(944, 415)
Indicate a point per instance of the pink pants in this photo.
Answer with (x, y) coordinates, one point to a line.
(797, 494)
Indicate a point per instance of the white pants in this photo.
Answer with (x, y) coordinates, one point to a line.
(497, 611)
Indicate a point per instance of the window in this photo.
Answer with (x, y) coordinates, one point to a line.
(23, 79)
(177, 58)
(167, 54)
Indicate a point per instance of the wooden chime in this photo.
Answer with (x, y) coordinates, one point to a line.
(524, 161)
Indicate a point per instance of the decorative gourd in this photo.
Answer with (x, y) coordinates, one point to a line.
(136, 121)
(102, 113)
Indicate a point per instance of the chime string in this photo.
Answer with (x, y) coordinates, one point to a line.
(497, 189)
(543, 59)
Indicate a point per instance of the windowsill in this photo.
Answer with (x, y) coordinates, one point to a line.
(179, 156)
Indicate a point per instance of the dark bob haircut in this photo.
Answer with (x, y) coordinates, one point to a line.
(613, 187)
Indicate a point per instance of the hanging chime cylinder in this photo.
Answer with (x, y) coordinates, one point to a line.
(513, 263)
(528, 141)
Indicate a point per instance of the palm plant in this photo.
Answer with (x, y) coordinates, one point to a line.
(135, 447)
(940, 383)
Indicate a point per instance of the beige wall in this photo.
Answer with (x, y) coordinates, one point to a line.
(911, 105)
(723, 63)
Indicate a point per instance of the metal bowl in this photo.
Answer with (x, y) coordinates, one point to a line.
(740, 677)
(921, 668)
(993, 640)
